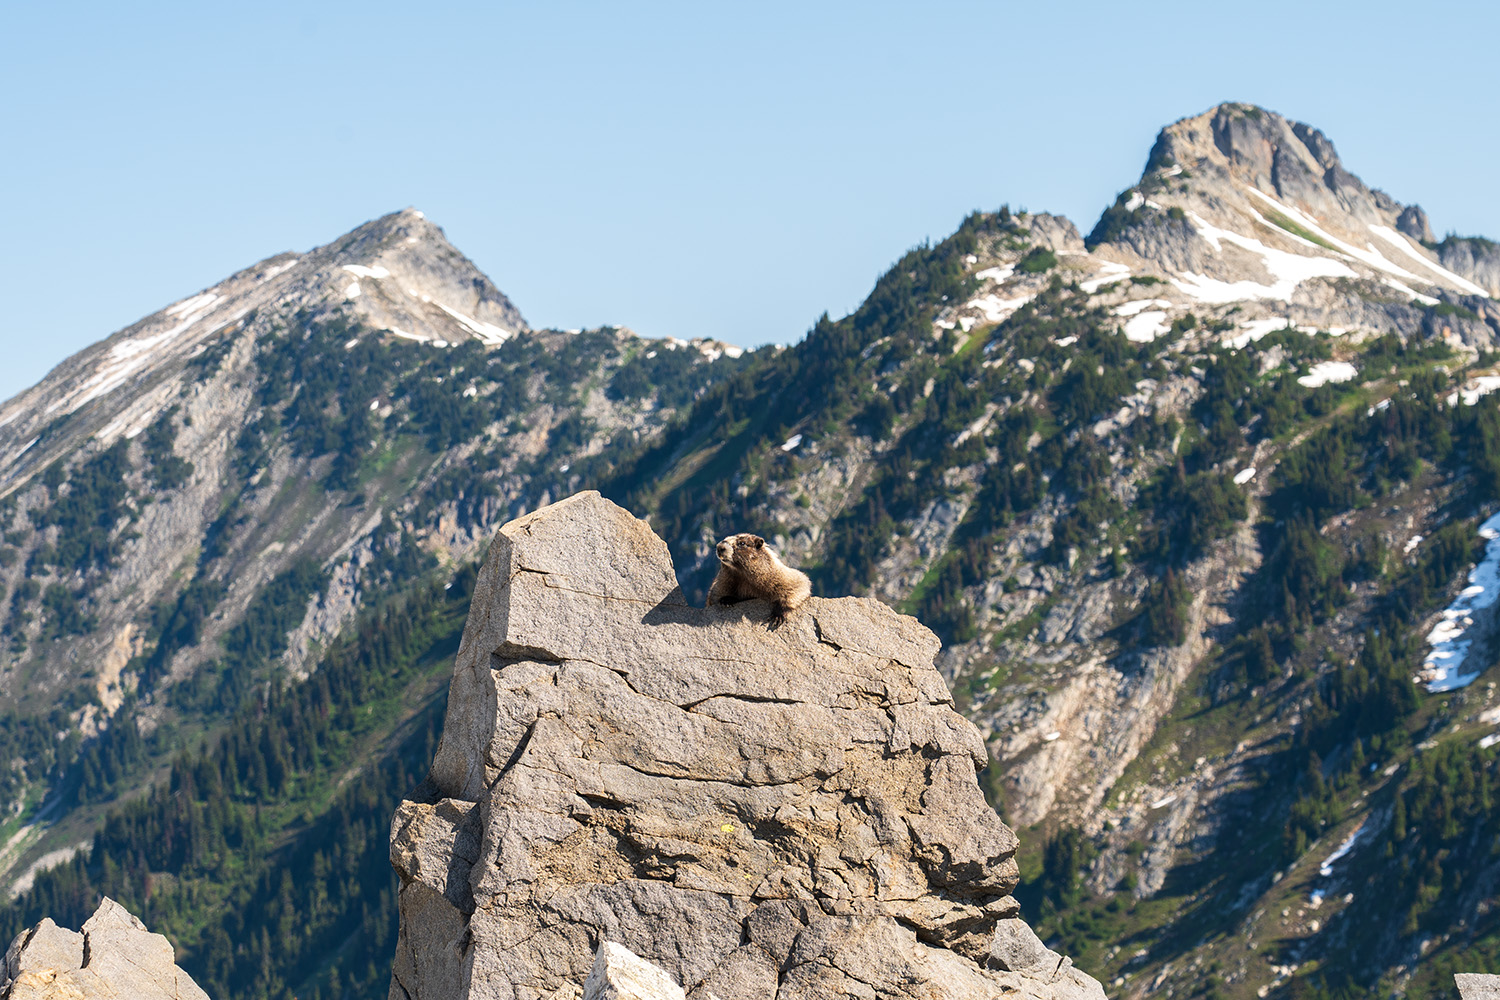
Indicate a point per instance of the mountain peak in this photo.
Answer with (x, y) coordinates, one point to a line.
(408, 223)
(1242, 208)
(399, 273)
(1290, 160)
(396, 276)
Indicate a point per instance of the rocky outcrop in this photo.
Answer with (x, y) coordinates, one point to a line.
(758, 813)
(1473, 257)
(1055, 232)
(1477, 986)
(112, 958)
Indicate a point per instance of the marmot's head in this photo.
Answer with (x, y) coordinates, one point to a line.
(741, 550)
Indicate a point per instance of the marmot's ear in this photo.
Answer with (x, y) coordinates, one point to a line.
(758, 541)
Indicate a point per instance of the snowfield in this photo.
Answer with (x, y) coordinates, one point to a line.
(1147, 326)
(361, 271)
(1109, 273)
(488, 334)
(1328, 371)
(1288, 270)
(1441, 669)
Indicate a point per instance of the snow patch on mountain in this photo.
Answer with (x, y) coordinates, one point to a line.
(1147, 326)
(276, 269)
(1252, 330)
(361, 271)
(1398, 241)
(1366, 255)
(1131, 308)
(1109, 273)
(131, 354)
(1287, 269)
(1409, 292)
(1325, 372)
(488, 334)
(1440, 670)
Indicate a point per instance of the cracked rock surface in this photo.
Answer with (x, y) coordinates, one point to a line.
(113, 957)
(788, 813)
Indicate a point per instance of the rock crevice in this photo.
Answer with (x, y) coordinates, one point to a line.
(757, 813)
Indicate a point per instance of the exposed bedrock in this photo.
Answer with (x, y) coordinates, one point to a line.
(757, 813)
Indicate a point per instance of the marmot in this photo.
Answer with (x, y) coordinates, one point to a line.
(749, 570)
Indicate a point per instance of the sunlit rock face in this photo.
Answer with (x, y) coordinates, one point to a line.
(759, 813)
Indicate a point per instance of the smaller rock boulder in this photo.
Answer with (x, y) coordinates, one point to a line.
(114, 957)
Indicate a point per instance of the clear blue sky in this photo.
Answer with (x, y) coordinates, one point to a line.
(685, 169)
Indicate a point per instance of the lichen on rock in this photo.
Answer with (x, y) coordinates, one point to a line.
(788, 813)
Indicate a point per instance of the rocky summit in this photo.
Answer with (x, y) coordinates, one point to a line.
(759, 813)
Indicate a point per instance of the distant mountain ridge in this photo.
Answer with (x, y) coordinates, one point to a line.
(396, 274)
(1155, 488)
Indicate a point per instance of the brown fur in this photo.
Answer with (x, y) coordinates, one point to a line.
(749, 570)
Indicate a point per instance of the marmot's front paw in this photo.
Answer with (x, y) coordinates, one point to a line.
(778, 617)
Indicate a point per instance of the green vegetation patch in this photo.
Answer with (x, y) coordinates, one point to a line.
(674, 377)
(1453, 309)
(167, 470)
(1282, 222)
(1038, 261)
(89, 514)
